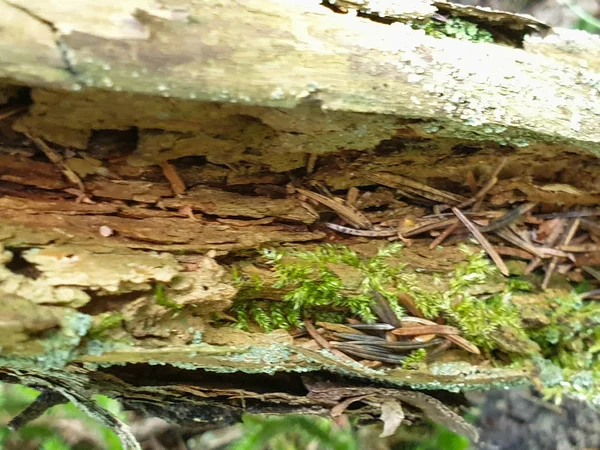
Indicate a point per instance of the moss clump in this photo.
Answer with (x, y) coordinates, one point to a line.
(414, 358)
(332, 283)
(454, 28)
(316, 287)
(103, 323)
(570, 344)
(480, 320)
(162, 299)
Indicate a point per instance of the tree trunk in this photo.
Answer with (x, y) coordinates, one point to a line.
(163, 166)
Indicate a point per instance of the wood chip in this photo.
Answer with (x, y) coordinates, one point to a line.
(170, 173)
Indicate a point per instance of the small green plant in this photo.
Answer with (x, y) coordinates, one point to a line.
(15, 398)
(293, 433)
(105, 323)
(413, 359)
(477, 318)
(444, 439)
(162, 299)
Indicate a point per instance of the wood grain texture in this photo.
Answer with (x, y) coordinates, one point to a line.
(285, 54)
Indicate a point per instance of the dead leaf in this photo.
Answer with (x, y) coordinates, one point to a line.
(392, 416)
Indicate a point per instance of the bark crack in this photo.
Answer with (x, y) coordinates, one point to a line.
(63, 48)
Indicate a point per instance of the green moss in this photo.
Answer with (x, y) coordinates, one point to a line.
(317, 290)
(480, 320)
(332, 283)
(414, 358)
(454, 28)
(570, 344)
(162, 299)
(106, 322)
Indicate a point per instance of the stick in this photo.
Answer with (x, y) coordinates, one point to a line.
(486, 187)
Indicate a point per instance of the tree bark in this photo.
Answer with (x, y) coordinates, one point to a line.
(148, 148)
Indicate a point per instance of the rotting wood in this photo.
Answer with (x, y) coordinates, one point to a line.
(119, 106)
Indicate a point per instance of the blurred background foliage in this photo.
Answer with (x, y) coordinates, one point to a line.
(64, 427)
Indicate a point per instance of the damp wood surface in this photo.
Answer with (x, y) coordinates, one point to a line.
(537, 85)
(160, 170)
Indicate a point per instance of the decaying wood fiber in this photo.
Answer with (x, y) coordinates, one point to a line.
(147, 146)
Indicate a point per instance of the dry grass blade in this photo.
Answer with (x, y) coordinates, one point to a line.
(442, 237)
(381, 307)
(591, 271)
(365, 233)
(348, 213)
(595, 294)
(400, 182)
(514, 252)
(322, 342)
(429, 227)
(338, 327)
(556, 226)
(552, 266)
(581, 248)
(436, 352)
(463, 343)
(509, 236)
(425, 329)
(312, 332)
(339, 409)
(372, 326)
(409, 303)
(404, 346)
(352, 196)
(358, 337)
(483, 241)
(569, 214)
(509, 218)
(368, 353)
(311, 162)
(11, 111)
